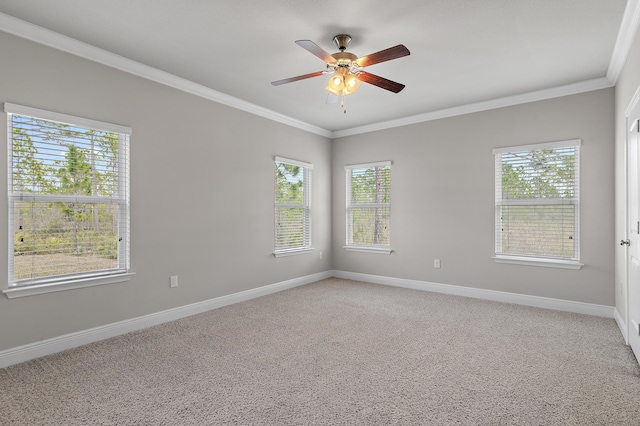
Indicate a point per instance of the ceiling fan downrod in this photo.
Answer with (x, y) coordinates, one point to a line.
(342, 41)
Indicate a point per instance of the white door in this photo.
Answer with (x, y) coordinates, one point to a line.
(633, 227)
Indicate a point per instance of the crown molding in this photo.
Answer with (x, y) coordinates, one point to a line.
(41, 35)
(539, 95)
(626, 34)
(26, 30)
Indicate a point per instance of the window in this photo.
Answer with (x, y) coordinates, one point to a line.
(68, 193)
(292, 207)
(368, 207)
(537, 204)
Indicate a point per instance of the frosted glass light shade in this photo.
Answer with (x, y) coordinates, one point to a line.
(343, 83)
(351, 84)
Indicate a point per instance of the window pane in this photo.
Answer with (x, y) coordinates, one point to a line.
(289, 184)
(540, 174)
(371, 185)
(537, 200)
(546, 230)
(68, 197)
(290, 227)
(370, 225)
(55, 238)
(292, 206)
(54, 158)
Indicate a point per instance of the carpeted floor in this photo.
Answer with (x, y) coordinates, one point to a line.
(340, 352)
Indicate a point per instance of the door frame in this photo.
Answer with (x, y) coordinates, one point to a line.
(627, 126)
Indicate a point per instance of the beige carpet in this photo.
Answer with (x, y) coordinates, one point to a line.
(340, 352)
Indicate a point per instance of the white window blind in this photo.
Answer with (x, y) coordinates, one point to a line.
(538, 201)
(292, 205)
(368, 190)
(68, 193)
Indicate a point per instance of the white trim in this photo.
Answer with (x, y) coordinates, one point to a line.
(49, 284)
(65, 118)
(51, 287)
(632, 103)
(504, 256)
(50, 346)
(61, 42)
(369, 249)
(350, 206)
(368, 165)
(523, 98)
(305, 205)
(626, 34)
(537, 146)
(626, 274)
(621, 325)
(370, 205)
(293, 252)
(479, 293)
(538, 261)
(537, 201)
(61, 198)
(293, 162)
(58, 41)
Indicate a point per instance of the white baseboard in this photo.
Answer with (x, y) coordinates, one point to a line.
(478, 293)
(50, 346)
(68, 341)
(622, 325)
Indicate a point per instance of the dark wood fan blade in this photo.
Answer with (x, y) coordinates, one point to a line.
(316, 50)
(381, 82)
(394, 52)
(300, 77)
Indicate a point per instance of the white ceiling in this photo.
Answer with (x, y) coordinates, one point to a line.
(462, 51)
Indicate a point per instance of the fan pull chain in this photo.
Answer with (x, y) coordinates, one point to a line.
(342, 105)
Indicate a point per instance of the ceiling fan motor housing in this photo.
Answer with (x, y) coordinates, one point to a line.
(344, 58)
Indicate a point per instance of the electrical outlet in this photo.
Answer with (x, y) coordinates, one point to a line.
(436, 263)
(320, 255)
(174, 281)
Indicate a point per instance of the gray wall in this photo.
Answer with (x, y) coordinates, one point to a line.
(626, 86)
(442, 195)
(201, 193)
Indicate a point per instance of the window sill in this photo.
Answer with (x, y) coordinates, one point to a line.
(30, 290)
(538, 261)
(292, 252)
(370, 249)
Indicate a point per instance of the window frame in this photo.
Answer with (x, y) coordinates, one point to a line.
(305, 205)
(53, 283)
(538, 260)
(349, 207)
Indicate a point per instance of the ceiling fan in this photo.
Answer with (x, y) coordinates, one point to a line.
(347, 68)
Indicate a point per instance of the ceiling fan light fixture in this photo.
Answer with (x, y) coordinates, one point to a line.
(343, 83)
(332, 90)
(336, 82)
(335, 85)
(351, 84)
